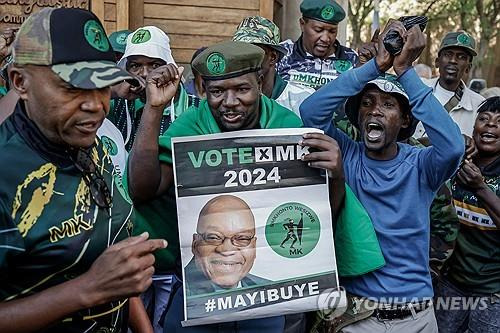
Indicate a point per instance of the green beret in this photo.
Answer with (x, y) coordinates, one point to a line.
(228, 59)
(118, 40)
(459, 39)
(327, 11)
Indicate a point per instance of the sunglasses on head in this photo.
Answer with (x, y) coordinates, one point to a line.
(98, 189)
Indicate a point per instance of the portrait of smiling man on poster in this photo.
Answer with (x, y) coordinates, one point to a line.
(223, 247)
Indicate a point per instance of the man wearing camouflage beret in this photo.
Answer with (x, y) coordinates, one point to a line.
(317, 57)
(66, 262)
(265, 34)
(454, 62)
(234, 102)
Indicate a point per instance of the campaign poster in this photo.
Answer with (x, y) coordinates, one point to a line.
(255, 226)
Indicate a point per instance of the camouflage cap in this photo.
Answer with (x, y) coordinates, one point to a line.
(118, 40)
(459, 39)
(328, 11)
(387, 83)
(259, 30)
(228, 59)
(73, 43)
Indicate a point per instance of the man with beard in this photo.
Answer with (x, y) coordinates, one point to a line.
(317, 57)
(395, 182)
(454, 62)
(234, 102)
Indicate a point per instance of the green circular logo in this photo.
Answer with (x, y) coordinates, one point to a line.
(327, 12)
(216, 63)
(121, 39)
(464, 39)
(95, 35)
(292, 230)
(109, 145)
(342, 65)
(141, 36)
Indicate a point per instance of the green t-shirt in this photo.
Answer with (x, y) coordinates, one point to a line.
(50, 229)
(475, 262)
(159, 216)
(349, 236)
(199, 121)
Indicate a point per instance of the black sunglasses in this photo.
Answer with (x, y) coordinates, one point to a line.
(98, 188)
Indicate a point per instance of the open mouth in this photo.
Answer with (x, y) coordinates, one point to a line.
(489, 137)
(231, 117)
(374, 131)
(451, 70)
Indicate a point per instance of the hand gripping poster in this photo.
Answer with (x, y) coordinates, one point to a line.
(255, 226)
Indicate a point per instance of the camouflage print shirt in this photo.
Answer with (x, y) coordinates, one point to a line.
(299, 66)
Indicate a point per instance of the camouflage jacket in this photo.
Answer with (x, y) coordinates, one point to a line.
(298, 66)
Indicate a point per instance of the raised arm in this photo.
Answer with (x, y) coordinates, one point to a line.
(441, 160)
(147, 177)
(317, 110)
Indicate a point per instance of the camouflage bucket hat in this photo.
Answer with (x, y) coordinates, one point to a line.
(389, 84)
(459, 39)
(72, 42)
(259, 30)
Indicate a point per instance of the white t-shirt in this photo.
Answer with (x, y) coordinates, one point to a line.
(442, 94)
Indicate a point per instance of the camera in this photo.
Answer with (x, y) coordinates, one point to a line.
(393, 42)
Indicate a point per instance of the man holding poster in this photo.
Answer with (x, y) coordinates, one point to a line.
(234, 103)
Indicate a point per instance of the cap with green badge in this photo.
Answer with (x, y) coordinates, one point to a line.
(259, 30)
(387, 83)
(118, 40)
(73, 43)
(327, 11)
(459, 39)
(228, 59)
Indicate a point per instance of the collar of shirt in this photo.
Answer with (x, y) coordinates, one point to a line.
(279, 86)
(299, 48)
(467, 97)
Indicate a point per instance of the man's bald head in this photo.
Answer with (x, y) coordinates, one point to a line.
(224, 204)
